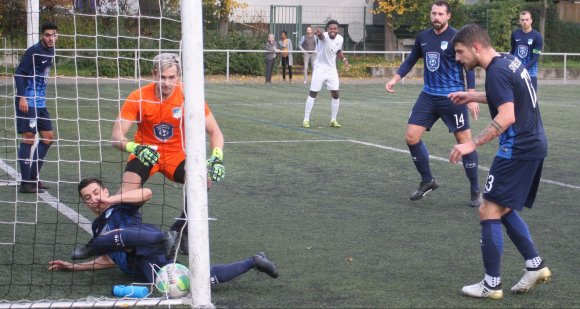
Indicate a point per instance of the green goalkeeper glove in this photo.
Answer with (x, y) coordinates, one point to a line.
(215, 167)
(147, 154)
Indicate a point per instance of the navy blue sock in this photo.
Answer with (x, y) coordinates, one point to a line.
(420, 157)
(119, 240)
(518, 231)
(38, 159)
(470, 164)
(24, 160)
(225, 272)
(491, 246)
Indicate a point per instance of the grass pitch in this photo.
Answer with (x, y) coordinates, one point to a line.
(330, 206)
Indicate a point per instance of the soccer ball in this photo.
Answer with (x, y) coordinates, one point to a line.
(173, 280)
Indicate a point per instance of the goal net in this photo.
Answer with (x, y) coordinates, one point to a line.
(105, 50)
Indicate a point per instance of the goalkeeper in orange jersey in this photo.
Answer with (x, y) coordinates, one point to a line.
(157, 108)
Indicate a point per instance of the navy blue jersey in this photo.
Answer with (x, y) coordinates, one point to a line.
(507, 81)
(136, 262)
(527, 47)
(31, 75)
(442, 74)
(115, 217)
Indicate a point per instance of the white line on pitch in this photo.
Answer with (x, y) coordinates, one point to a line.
(557, 183)
(68, 212)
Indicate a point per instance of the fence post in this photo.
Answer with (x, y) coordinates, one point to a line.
(228, 66)
(565, 68)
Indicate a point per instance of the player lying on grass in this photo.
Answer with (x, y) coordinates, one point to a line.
(121, 239)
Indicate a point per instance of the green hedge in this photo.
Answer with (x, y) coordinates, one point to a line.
(240, 63)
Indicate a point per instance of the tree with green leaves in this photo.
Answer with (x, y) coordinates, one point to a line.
(220, 11)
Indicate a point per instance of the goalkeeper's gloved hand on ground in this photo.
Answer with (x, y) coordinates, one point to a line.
(215, 167)
(147, 154)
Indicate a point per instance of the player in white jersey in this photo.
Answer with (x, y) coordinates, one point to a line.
(328, 48)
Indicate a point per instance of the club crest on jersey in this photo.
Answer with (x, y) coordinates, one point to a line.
(444, 45)
(432, 61)
(522, 51)
(177, 112)
(530, 41)
(163, 131)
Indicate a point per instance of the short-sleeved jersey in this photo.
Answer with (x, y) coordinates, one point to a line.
(442, 74)
(525, 46)
(508, 81)
(326, 52)
(159, 122)
(31, 75)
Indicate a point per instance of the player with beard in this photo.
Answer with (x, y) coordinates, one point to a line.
(329, 47)
(32, 116)
(442, 75)
(514, 175)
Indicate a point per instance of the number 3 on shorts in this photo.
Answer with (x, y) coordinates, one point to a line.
(489, 183)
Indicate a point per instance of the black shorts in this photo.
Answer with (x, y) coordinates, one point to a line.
(37, 119)
(513, 183)
(428, 108)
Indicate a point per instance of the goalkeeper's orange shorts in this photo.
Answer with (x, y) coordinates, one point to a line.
(167, 164)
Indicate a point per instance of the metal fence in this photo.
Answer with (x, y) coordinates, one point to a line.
(562, 67)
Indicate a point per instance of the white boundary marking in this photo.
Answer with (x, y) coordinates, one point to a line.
(393, 149)
(66, 211)
(85, 224)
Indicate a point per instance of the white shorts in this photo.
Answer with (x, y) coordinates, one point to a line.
(319, 77)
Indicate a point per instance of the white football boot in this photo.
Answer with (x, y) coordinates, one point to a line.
(532, 278)
(482, 290)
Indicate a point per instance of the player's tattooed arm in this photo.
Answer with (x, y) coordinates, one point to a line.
(490, 132)
(501, 122)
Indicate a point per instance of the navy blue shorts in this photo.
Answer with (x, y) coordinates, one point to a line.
(513, 183)
(37, 119)
(428, 108)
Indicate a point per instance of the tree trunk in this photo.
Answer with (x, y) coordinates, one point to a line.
(224, 26)
(390, 38)
(543, 15)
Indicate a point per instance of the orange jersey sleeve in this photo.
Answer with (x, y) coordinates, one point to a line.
(159, 122)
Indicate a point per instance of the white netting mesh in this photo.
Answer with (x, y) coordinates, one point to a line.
(104, 51)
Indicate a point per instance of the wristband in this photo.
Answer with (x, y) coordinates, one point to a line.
(130, 147)
(217, 152)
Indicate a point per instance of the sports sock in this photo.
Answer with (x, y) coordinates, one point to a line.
(492, 281)
(491, 246)
(470, 163)
(119, 240)
(38, 159)
(225, 272)
(24, 160)
(308, 107)
(420, 157)
(334, 103)
(518, 232)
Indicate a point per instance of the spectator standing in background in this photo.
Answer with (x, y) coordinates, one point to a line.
(286, 50)
(308, 47)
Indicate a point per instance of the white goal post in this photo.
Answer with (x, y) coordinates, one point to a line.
(93, 115)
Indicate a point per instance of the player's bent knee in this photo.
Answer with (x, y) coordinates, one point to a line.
(412, 139)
